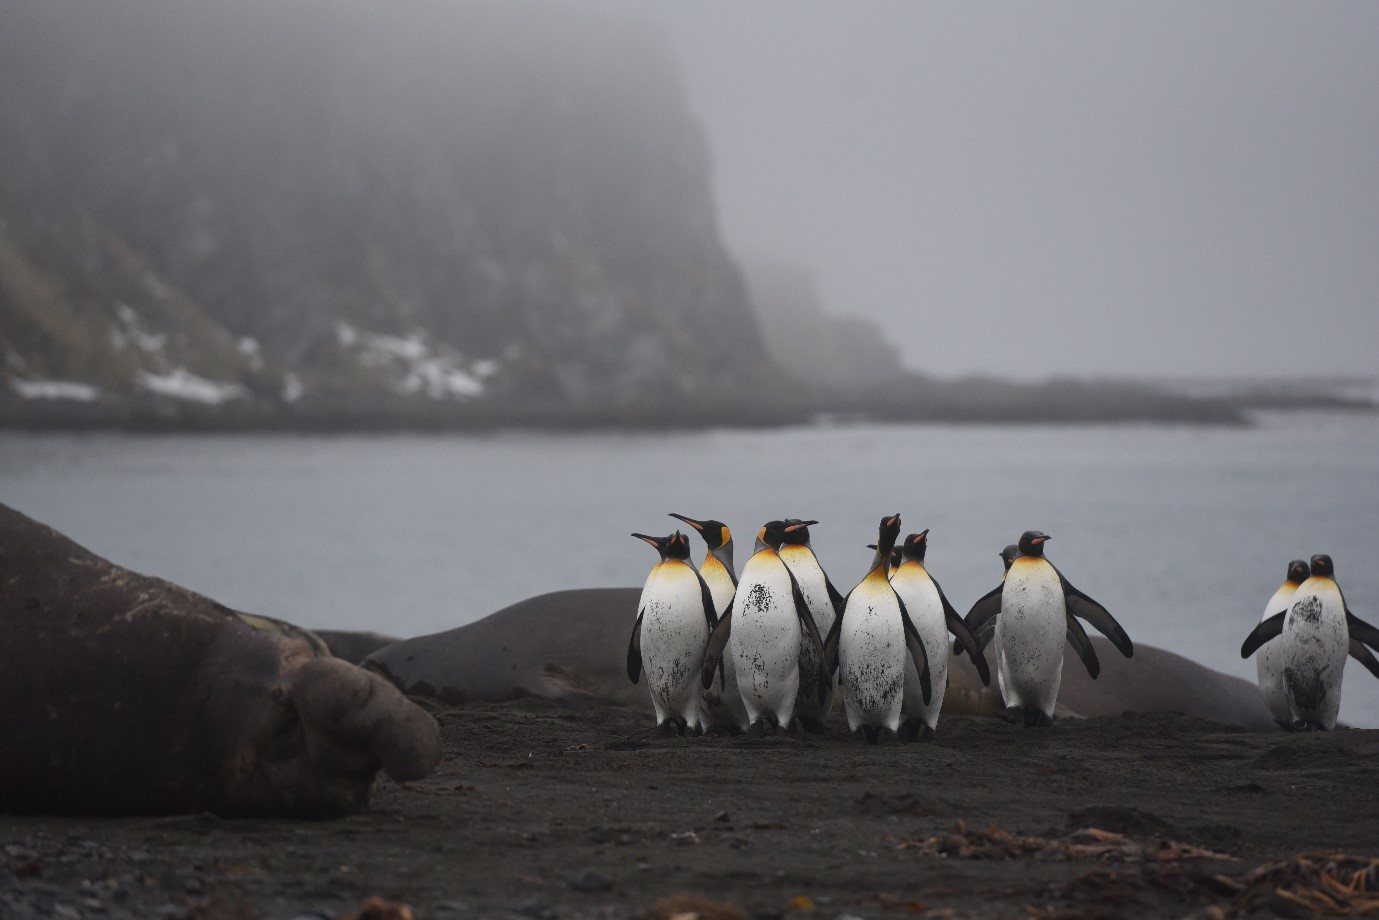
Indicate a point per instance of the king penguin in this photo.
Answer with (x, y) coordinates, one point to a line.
(1315, 633)
(1032, 606)
(1269, 664)
(933, 618)
(982, 621)
(812, 704)
(717, 572)
(675, 617)
(871, 643)
(762, 631)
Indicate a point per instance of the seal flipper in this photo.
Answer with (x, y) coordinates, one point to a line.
(1362, 655)
(964, 635)
(917, 652)
(984, 611)
(825, 676)
(1091, 611)
(1077, 638)
(1359, 629)
(1271, 627)
(718, 640)
(634, 651)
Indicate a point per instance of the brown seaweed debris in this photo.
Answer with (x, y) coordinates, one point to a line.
(1306, 885)
(1085, 843)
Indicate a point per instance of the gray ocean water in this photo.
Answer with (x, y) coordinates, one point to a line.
(1182, 532)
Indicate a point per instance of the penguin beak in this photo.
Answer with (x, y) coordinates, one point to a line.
(871, 546)
(922, 535)
(651, 540)
(893, 521)
(1040, 541)
(800, 526)
(690, 521)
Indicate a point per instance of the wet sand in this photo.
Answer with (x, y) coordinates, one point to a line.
(542, 810)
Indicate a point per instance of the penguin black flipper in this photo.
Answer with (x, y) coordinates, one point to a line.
(917, 652)
(718, 640)
(985, 610)
(634, 651)
(710, 614)
(1362, 655)
(825, 676)
(831, 643)
(1361, 630)
(1077, 638)
(1270, 627)
(835, 598)
(983, 636)
(1091, 611)
(958, 628)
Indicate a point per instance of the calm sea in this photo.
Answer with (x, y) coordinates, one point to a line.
(1182, 532)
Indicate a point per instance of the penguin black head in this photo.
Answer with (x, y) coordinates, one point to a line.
(887, 533)
(915, 545)
(799, 536)
(1297, 571)
(1009, 554)
(1322, 567)
(659, 543)
(773, 532)
(715, 533)
(1032, 542)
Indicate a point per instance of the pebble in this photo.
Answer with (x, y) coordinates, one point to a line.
(589, 880)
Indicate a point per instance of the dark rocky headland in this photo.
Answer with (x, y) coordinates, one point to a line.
(419, 216)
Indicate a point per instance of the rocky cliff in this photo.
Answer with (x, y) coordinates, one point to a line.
(352, 203)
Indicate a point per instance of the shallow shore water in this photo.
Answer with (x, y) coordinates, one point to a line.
(541, 810)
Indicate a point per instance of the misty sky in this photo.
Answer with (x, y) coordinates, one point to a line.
(1038, 188)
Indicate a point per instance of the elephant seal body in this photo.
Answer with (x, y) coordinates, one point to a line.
(571, 645)
(1155, 680)
(125, 694)
(568, 645)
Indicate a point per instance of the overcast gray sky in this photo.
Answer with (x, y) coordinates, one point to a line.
(1042, 188)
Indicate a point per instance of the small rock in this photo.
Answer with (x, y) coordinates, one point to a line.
(722, 816)
(531, 907)
(589, 880)
(452, 909)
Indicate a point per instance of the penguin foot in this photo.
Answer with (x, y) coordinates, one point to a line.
(666, 729)
(757, 729)
(812, 725)
(1037, 718)
(1286, 726)
(1012, 714)
(872, 733)
(928, 735)
(909, 730)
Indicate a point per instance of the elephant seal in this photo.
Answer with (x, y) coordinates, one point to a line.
(351, 645)
(125, 694)
(571, 645)
(1155, 680)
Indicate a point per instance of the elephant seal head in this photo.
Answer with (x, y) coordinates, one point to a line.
(288, 733)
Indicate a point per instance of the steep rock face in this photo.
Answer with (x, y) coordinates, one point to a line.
(423, 198)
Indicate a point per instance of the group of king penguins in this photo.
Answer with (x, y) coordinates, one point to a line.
(779, 639)
(1303, 640)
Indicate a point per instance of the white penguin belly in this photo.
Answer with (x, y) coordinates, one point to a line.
(1269, 660)
(922, 600)
(674, 635)
(871, 657)
(814, 588)
(1315, 642)
(1030, 632)
(765, 640)
(723, 703)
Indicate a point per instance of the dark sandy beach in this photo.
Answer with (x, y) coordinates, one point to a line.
(542, 810)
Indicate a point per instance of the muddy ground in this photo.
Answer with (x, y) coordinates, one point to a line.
(540, 810)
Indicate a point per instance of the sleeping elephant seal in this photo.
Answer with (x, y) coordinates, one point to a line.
(564, 645)
(1155, 680)
(124, 694)
(572, 645)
